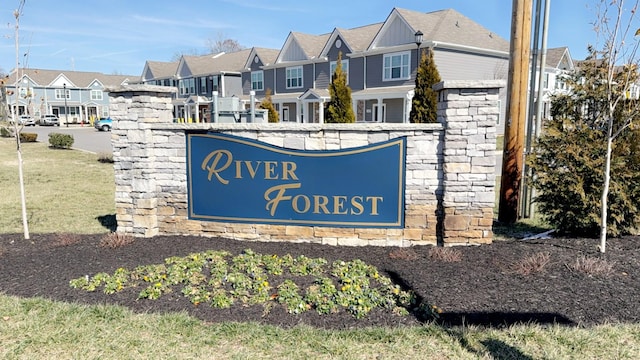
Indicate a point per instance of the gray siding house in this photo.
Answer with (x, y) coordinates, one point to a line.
(380, 62)
(75, 96)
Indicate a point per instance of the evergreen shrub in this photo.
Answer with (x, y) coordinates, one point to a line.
(60, 141)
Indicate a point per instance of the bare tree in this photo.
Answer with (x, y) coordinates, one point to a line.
(17, 13)
(223, 44)
(616, 26)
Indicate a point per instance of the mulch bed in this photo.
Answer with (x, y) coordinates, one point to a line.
(483, 288)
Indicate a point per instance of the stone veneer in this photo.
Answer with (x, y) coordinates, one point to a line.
(450, 169)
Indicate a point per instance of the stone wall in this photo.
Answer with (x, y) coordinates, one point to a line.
(450, 169)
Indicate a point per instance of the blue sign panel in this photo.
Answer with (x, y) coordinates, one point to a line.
(235, 179)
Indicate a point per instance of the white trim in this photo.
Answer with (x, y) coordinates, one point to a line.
(287, 78)
(402, 66)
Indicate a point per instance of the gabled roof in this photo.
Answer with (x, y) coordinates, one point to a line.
(559, 58)
(300, 47)
(444, 26)
(154, 70)
(360, 38)
(214, 63)
(356, 39)
(267, 56)
(81, 79)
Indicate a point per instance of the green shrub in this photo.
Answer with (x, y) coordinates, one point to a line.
(5, 132)
(60, 141)
(28, 137)
(569, 159)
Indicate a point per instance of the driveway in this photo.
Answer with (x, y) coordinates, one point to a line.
(85, 137)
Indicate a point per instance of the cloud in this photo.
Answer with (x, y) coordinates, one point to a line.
(259, 5)
(199, 23)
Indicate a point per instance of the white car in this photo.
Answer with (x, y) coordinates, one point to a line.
(25, 120)
(49, 120)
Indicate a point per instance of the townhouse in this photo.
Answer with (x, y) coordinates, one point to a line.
(380, 62)
(75, 96)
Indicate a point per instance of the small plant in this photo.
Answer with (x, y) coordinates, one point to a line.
(289, 295)
(403, 254)
(28, 137)
(60, 141)
(445, 254)
(116, 240)
(531, 264)
(66, 239)
(106, 158)
(211, 277)
(592, 266)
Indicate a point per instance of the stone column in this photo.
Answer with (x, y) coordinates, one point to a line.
(469, 111)
(134, 108)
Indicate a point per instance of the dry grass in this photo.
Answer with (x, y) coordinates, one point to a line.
(531, 264)
(403, 254)
(116, 240)
(105, 158)
(66, 239)
(592, 266)
(445, 254)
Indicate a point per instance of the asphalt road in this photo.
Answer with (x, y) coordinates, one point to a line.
(85, 137)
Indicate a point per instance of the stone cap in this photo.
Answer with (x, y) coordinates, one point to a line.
(141, 88)
(470, 84)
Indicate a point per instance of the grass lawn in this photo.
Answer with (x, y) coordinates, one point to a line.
(68, 190)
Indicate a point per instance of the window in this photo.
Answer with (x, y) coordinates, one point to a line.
(187, 86)
(257, 80)
(215, 84)
(60, 92)
(294, 77)
(345, 68)
(96, 94)
(203, 85)
(396, 66)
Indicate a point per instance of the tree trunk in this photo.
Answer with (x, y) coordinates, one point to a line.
(605, 187)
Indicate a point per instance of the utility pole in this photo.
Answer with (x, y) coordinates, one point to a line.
(514, 132)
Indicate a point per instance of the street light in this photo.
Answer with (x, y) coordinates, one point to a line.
(418, 41)
(66, 109)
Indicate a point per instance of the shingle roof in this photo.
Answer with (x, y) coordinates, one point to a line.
(216, 63)
(312, 45)
(268, 56)
(359, 38)
(162, 69)
(555, 56)
(452, 27)
(78, 78)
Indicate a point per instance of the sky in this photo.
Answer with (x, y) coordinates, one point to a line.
(119, 36)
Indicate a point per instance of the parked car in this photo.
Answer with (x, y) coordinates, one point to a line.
(103, 124)
(49, 120)
(26, 120)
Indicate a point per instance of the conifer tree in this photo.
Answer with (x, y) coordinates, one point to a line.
(340, 109)
(425, 100)
(267, 104)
